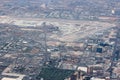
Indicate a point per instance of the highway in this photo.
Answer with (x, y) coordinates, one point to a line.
(115, 55)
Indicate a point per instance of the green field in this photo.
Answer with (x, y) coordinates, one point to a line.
(54, 74)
